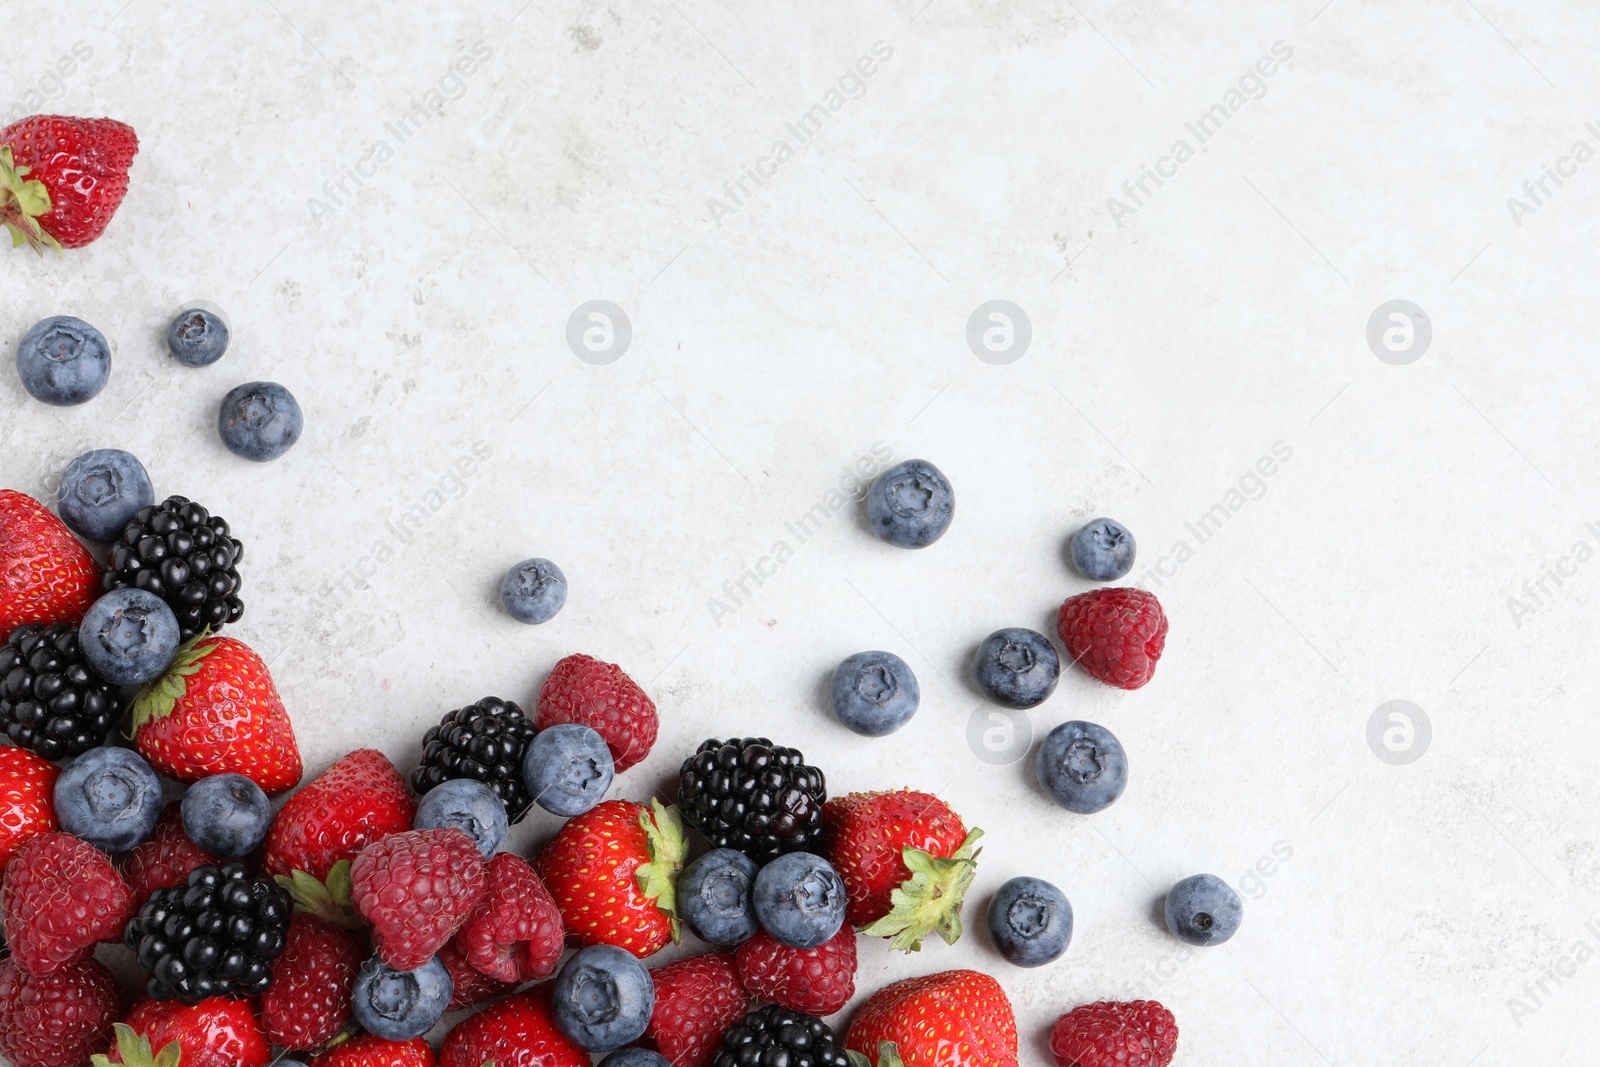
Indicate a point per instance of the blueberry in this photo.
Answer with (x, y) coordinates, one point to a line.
(101, 491)
(1030, 922)
(1083, 766)
(227, 814)
(567, 769)
(1017, 667)
(197, 337)
(129, 637)
(110, 797)
(603, 997)
(715, 897)
(400, 1005)
(800, 900)
(1203, 910)
(875, 693)
(63, 361)
(470, 806)
(1102, 550)
(534, 590)
(259, 421)
(911, 504)
(635, 1057)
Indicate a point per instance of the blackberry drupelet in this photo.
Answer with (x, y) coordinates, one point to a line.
(753, 796)
(484, 741)
(774, 1035)
(51, 703)
(215, 935)
(182, 553)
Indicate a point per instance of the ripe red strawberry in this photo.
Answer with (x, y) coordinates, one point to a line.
(468, 987)
(164, 859)
(218, 1032)
(1115, 634)
(215, 712)
(516, 1032)
(416, 889)
(56, 1020)
(515, 933)
(27, 784)
(613, 872)
(697, 1000)
(61, 179)
(818, 981)
(601, 696)
(907, 861)
(366, 1050)
(937, 1020)
(46, 575)
(1108, 1033)
(308, 1002)
(61, 895)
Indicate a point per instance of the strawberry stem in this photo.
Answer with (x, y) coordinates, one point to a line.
(22, 202)
(929, 902)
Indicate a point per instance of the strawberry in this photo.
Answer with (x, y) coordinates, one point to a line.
(165, 858)
(949, 1019)
(613, 871)
(515, 933)
(907, 862)
(516, 1032)
(216, 712)
(217, 1032)
(1108, 1033)
(468, 987)
(416, 889)
(46, 575)
(366, 1050)
(308, 1002)
(1116, 635)
(818, 981)
(61, 179)
(61, 895)
(56, 1020)
(697, 1000)
(589, 692)
(27, 784)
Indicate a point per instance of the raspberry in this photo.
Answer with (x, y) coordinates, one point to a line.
(601, 696)
(61, 896)
(1114, 634)
(515, 933)
(56, 1020)
(416, 889)
(817, 981)
(469, 987)
(697, 1000)
(308, 1002)
(1108, 1033)
(164, 859)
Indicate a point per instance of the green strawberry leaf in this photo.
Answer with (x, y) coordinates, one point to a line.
(930, 900)
(328, 900)
(669, 849)
(889, 1055)
(158, 699)
(857, 1059)
(21, 203)
(134, 1051)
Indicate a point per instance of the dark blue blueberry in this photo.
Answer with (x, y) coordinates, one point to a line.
(716, 897)
(400, 1005)
(227, 814)
(1102, 550)
(800, 900)
(129, 637)
(603, 997)
(101, 492)
(197, 337)
(63, 361)
(470, 806)
(1083, 767)
(1017, 667)
(567, 769)
(534, 590)
(875, 693)
(259, 421)
(1203, 910)
(110, 797)
(635, 1057)
(911, 504)
(1030, 922)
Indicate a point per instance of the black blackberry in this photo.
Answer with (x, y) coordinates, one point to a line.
(183, 554)
(215, 935)
(485, 741)
(778, 1037)
(753, 796)
(51, 703)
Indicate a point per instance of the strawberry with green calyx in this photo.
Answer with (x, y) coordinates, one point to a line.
(61, 178)
(134, 1051)
(935, 1020)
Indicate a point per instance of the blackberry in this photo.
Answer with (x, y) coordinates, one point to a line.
(183, 554)
(484, 741)
(753, 796)
(215, 935)
(51, 703)
(774, 1035)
